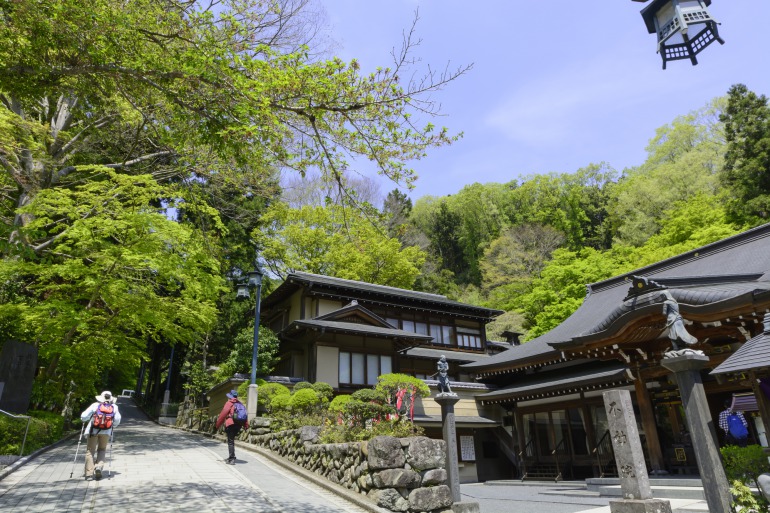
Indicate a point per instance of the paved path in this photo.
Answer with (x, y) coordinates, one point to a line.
(158, 469)
(154, 468)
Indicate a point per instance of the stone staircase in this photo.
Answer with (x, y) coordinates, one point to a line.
(662, 487)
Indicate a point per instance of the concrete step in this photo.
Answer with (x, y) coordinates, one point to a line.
(654, 481)
(659, 492)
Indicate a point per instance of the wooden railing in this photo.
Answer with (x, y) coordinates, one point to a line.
(605, 455)
(526, 453)
(560, 449)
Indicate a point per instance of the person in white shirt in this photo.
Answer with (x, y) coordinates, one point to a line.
(102, 417)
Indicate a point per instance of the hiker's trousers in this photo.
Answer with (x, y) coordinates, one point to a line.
(96, 444)
(231, 431)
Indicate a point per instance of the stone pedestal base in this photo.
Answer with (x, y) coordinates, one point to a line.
(640, 506)
(466, 507)
(251, 402)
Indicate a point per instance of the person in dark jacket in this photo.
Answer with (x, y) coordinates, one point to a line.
(231, 427)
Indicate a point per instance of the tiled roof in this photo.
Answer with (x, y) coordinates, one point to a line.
(456, 356)
(363, 329)
(361, 290)
(467, 422)
(753, 354)
(556, 383)
(720, 271)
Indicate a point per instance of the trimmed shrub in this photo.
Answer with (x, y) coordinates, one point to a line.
(302, 385)
(280, 403)
(337, 406)
(324, 390)
(744, 464)
(243, 389)
(267, 392)
(304, 401)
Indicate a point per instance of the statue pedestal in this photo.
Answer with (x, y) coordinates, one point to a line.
(686, 368)
(447, 402)
(251, 402)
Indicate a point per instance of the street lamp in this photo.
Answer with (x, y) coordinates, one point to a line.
(254, 281)
(672, 20)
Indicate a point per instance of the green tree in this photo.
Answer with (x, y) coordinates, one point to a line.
(335, 241)
(204, 91)
(684, 159)
(747, 159)
(514, 259)
(106, 270)
(560, 289)
(242, 347)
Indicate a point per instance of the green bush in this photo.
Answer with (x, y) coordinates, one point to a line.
(367, 405)
(243, 389)
(744, 464)
(268, 391)
(744, 499)
(336, 433)
(324, 390)
(337, 406)
(304, 401)
(45, 428)
(302, 385)
(280, 403)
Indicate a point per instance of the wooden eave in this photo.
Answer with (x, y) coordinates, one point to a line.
(519, 366)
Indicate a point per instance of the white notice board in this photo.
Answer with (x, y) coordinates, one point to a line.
(467, 450)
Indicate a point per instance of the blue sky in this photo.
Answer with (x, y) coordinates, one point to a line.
(555, 85)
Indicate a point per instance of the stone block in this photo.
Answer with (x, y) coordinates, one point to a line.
(389, 498)
(385, 452)
(429, 499)
(466, 507)
(396, 478)
(640, 506)
(426, 453)
(310, 434)
(434, 477)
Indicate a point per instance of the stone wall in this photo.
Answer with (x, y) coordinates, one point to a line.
(399, 474)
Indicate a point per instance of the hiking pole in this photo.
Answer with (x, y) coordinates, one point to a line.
(80, 438)
(109, 455)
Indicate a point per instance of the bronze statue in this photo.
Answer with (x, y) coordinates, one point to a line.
(443, 379)
(674, 322)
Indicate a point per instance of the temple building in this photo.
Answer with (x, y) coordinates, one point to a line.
(551, 387)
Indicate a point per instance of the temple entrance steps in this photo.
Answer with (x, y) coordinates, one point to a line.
(543, 472)
(662, 487)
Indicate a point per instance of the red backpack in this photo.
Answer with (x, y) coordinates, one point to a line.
(102, 419)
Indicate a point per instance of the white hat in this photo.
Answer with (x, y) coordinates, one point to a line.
(106, 397)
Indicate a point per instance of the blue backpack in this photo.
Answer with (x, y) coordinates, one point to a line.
(239, 413)
(735, 426)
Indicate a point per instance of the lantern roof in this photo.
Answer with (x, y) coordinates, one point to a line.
(648, 13)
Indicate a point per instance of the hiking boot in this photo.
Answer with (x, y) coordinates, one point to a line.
(97, 474)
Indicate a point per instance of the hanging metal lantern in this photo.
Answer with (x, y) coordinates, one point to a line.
(242, 292)
(676, 22)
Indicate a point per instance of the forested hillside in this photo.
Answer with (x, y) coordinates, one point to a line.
(529, 246)
(150, 151)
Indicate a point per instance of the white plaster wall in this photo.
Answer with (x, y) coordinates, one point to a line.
(327, 365)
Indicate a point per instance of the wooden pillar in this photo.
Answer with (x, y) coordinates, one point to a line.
(762, 402)
(650, 427)
(588, 422)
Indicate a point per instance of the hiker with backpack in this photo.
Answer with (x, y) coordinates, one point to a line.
(102, 416)
(234, 417)
(734, 424)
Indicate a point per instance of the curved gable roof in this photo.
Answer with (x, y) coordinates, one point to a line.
(721, 271)
(351, 289)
